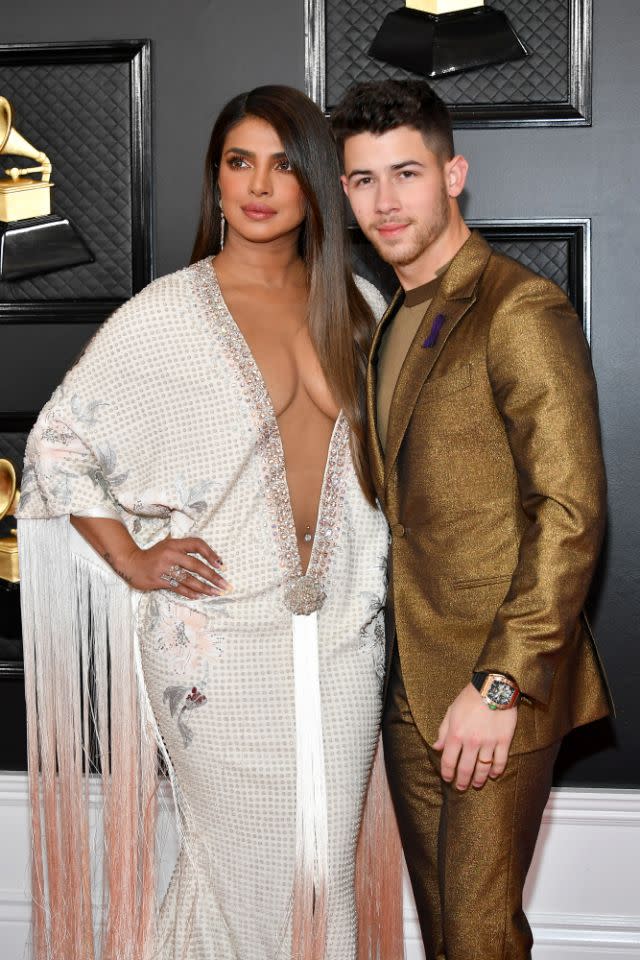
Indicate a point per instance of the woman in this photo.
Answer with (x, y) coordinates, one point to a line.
(199, 479)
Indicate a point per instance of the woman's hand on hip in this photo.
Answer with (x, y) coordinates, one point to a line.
(187, 566)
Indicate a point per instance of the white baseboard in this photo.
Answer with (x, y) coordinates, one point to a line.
(582, 895)
(559, 936)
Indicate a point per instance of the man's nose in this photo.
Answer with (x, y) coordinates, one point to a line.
(386, 198)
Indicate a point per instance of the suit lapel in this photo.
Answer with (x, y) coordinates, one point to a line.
(376, 457)
(456, 295)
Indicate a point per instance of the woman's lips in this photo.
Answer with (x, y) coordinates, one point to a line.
(258, 211)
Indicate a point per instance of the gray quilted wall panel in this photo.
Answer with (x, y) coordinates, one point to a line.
(79, 114)
(12, 447)
(548, 257)
(543, 77)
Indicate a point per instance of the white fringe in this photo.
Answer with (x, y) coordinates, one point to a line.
(83, 697)
(311, 793)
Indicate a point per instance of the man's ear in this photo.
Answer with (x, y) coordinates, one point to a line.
(345, 184)
(456, 171)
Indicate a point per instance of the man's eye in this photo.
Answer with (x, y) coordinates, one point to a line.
(363, 182)
(407, 174)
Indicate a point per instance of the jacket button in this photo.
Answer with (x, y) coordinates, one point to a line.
(398, 530)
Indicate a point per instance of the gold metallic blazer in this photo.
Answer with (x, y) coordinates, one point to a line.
(494, 488)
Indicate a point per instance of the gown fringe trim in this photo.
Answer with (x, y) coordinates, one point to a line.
(85, 714)
(379, 868)
(89, 718)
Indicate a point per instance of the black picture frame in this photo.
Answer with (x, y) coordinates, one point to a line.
(135, 57)
(573, 233)
(572, 110)
(563, 244)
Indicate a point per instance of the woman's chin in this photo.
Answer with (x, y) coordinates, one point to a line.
(264, 231)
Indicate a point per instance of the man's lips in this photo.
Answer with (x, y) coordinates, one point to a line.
(258, 211)
(391, 229)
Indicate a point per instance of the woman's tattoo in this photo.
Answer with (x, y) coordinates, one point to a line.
(107, 557)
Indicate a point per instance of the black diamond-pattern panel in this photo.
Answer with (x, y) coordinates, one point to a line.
(12, 448)
(549, 257)
(542, 77)
(10, 626)
(79, 114)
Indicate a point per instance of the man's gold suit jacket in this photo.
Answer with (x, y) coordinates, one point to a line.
(494, 488)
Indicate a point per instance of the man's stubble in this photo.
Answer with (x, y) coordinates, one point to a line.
(405, 252)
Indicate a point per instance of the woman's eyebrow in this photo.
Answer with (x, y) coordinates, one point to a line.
(280, 155)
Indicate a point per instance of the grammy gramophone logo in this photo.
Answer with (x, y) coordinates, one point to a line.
(33, 240)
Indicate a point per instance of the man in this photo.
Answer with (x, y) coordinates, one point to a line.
(485, 450)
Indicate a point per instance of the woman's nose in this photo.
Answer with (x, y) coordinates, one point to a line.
(260, 182)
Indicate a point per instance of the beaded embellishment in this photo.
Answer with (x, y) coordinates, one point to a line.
(303, 596)
(300, 591)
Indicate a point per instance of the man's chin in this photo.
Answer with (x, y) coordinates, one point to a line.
(396, 255)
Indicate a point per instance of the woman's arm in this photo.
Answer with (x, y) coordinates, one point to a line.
(169, 564)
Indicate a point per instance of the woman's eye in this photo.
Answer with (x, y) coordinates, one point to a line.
(284, 165)
(236, 163)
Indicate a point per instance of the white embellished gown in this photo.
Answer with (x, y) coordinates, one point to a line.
(172, 407)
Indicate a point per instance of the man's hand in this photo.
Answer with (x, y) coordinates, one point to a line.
(474, 739)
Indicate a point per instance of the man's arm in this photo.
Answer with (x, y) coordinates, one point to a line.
(543, 386)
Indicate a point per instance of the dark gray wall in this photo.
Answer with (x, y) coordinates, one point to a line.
(204, 52)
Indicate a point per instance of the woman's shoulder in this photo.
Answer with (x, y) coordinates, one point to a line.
(372, 295)
(167, 289)
(164, 304)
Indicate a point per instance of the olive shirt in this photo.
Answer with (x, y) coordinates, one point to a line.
(395, 345)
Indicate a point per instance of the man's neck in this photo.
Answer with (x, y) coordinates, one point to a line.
(439, 253)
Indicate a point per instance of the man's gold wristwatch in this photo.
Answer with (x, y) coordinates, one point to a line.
(498, 691)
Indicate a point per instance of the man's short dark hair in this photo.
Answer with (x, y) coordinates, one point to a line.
(378, 107)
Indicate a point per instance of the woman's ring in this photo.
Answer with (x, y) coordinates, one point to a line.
(174, 576)
(484, 761)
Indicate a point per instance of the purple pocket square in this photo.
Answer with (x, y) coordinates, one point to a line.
(436, 327)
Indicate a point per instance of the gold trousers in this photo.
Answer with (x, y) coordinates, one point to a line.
(467, 853)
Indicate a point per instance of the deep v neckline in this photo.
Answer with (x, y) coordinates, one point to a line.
(271, 449)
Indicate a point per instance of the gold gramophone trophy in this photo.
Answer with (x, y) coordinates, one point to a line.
(33, 240)
(9, 497)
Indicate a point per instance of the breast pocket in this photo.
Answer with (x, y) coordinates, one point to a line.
(478, 600)
(451, 382)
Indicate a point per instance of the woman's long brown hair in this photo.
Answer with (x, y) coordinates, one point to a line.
(340, 321)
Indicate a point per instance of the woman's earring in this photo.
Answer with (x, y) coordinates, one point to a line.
(222, 226)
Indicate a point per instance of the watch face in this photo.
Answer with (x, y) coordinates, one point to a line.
(500, 692)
